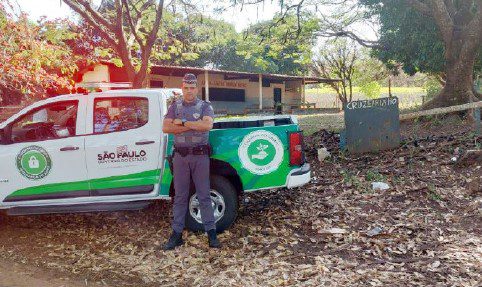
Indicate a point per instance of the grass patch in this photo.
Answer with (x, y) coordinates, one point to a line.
(410, 97)
(374, 175)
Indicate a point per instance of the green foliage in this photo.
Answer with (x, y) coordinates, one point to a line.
(204, 40)
(371, 90)
(369, 69)
(408, 38)
(433, 88)
(373, 175)
(432, 193)
(189, 41)
(274, 46)
(36, 59)
(279, 45)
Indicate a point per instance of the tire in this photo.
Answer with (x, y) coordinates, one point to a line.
(221, 188)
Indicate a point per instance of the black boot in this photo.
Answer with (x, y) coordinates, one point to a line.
(213, 240)
(174, 241)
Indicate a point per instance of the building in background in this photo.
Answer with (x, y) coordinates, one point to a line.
(229, 92)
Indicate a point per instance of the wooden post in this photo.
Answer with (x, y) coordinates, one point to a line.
(478, 123)
(206, 84)
(303, 96)
(260, 79)
(390, 86)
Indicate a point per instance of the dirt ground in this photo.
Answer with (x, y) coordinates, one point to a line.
(13, 274)
(426, 230)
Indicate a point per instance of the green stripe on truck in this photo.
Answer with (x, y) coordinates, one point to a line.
(135, 179)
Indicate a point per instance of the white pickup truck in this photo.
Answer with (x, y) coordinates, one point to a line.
(106, 151)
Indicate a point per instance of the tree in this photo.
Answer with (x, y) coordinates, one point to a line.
(209, 42)
(435, 36)
(271, 46)
(282, 45)
(414, 28)
(35, 61)
(369, 69)
(337, 59)
(130, 29)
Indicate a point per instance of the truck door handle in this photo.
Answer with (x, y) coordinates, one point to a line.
(144, 142)
(69, 148)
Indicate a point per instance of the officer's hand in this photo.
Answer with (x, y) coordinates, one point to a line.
(177, 122)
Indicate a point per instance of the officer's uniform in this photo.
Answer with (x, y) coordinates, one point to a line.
(191, 158)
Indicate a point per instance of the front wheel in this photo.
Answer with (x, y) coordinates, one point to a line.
(224, 200)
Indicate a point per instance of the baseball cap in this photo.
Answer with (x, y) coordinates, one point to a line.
(190, 79)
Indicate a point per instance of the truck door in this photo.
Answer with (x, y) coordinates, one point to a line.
(122, 149)
(44, 160)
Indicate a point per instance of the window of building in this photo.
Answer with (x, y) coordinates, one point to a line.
(156, 84)
(225, 95)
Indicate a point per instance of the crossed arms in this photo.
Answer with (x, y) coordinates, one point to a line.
(174, 126)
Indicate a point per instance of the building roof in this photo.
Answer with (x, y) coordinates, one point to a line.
(179, 71)
(118, 74)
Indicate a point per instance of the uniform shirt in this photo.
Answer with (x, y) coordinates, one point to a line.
(189, 113)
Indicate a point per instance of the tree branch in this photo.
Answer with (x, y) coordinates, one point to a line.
(87, 17)
(151, 39)
(351, 35)
(444, 21)
(157, 23)
(134, 25)
(420, 6)
(96, 15)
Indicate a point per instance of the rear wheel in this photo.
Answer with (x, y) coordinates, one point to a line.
(224, 200)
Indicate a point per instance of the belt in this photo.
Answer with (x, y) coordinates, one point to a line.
(197, 150)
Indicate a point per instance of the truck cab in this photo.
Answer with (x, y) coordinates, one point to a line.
(106, 151)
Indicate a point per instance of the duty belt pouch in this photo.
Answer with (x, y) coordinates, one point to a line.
(202, 150)
(198, 150)
(182, 151)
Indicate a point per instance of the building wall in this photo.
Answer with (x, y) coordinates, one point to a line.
(99, 74)
(290, 90)
(251, 91)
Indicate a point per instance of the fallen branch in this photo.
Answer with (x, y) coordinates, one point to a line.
(439, 111)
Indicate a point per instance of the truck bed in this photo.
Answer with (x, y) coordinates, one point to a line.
(254, 121)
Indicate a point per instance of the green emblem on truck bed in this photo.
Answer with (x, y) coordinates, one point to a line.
(261, 152)
(34, 162)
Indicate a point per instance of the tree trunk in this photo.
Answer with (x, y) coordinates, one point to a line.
(461, 32)
(459, 83)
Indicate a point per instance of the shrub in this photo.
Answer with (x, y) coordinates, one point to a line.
(371, 90)
(433, 88)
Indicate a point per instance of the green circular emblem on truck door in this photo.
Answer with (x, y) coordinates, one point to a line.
(34, 162)
(261, 152)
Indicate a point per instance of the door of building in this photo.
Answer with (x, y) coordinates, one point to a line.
(277, 100)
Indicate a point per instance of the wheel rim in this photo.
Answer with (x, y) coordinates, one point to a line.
(218, 204)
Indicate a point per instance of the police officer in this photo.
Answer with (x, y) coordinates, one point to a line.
(190, 120)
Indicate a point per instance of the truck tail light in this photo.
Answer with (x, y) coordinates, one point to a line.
(297, 156)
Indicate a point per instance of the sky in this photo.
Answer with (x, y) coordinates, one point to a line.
(239, 18)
